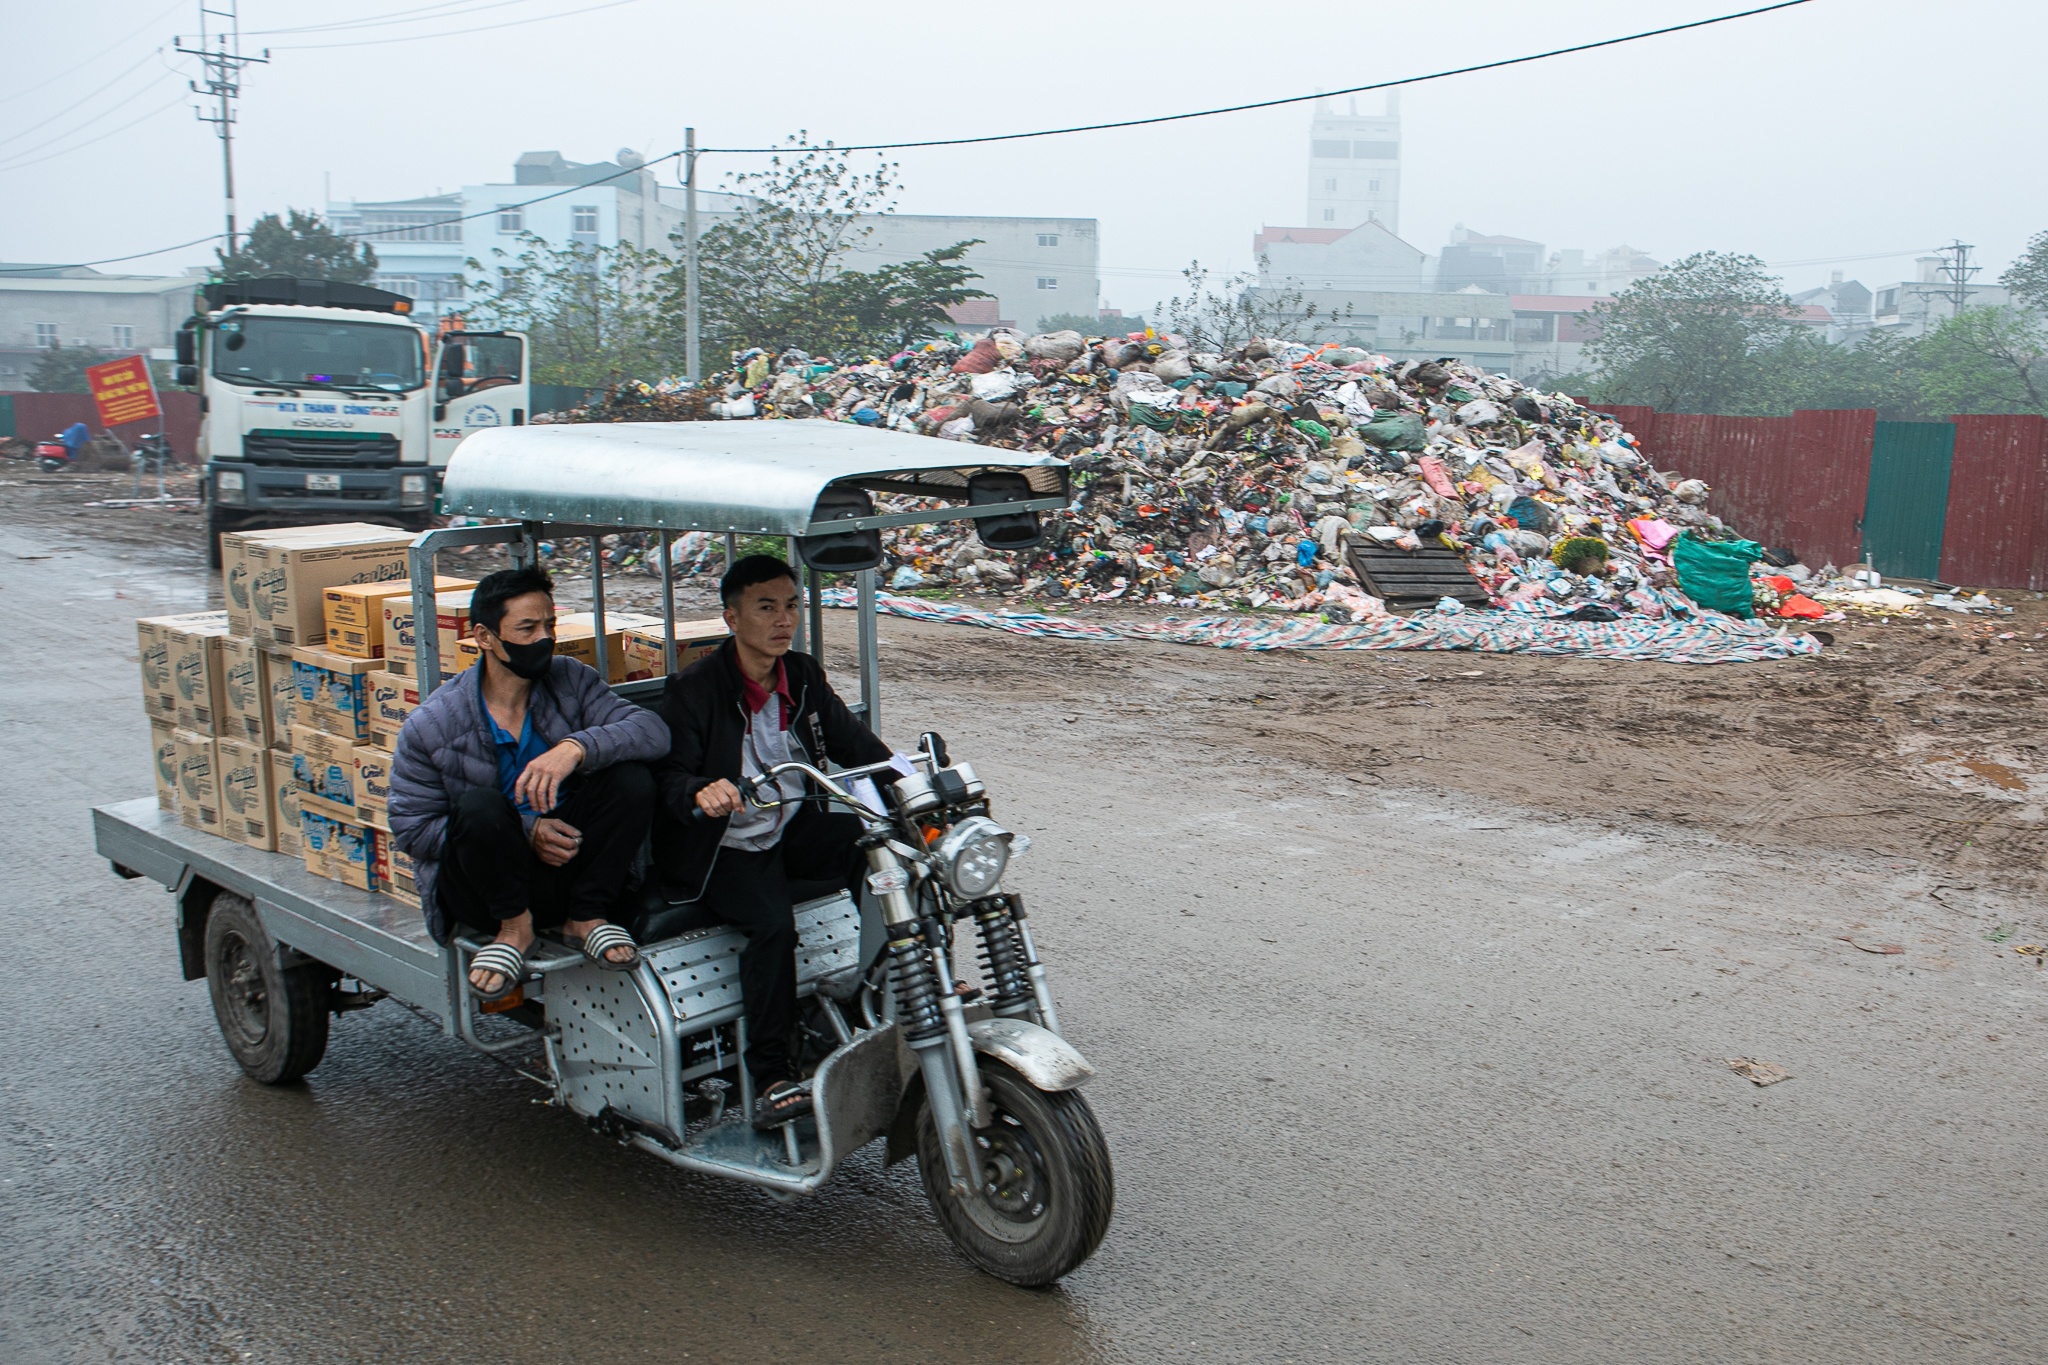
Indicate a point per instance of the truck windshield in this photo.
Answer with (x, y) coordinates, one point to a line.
(317, 352)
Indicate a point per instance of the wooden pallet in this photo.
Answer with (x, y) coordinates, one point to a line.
(1414, 580)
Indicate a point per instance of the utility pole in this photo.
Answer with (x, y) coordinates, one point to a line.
(1958, 269)
(692, 371)
(219, 52)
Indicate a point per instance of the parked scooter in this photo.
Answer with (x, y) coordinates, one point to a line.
(60, 452)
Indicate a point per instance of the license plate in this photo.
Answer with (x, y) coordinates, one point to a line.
(323, 483)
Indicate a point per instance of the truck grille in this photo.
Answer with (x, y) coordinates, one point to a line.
(271, 447)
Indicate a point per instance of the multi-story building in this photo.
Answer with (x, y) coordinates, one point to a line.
(1354, 166)
(47, 306)
(1917, 306)
(1034, 266)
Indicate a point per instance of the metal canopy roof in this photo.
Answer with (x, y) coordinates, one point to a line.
(758, 477)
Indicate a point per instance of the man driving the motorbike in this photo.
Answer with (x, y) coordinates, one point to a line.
(731, 716)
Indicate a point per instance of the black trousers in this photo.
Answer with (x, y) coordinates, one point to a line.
(751, 892)
(490, 873)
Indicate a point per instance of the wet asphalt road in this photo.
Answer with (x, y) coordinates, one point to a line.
(1387, 1075)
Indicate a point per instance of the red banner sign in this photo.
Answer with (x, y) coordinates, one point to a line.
(124, 391)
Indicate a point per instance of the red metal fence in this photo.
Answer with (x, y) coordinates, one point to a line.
(37, 415)
(1797, 481)
(1996, 531)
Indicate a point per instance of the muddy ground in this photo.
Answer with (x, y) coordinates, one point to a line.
(1917, 737)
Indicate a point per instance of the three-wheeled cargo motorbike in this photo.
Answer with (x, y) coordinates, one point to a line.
(962, 1067)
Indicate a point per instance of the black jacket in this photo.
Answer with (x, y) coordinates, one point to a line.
(706, 711)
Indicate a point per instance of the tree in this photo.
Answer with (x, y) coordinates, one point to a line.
(2027, 277)
(889, 308)
(1091, 326)
(305, 248)
(1985, 360)
(1231, 316)
(61, 369)
(593, 314)
(765, 276)
(1694, 337)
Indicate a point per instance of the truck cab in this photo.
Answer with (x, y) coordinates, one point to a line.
(324, 401)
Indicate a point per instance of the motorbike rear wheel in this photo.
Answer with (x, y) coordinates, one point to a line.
(1045, 1190)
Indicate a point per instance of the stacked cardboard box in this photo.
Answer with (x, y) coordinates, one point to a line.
(261, 716)
(641, 649)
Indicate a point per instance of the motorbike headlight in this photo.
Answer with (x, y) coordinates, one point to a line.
(972, 856)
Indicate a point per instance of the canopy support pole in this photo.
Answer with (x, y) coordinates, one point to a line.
(801, 643)
(604, 666)
(870, 655)
(817, 606)
(668, 605)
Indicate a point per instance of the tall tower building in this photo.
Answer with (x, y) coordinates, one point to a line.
(1354, 166)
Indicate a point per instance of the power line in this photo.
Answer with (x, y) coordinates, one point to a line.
(419, 14)
(81, 65)
(90, 95)
(481, 28)
(107, 260)
(175, 101)
(1083, 128)
(1288, 99)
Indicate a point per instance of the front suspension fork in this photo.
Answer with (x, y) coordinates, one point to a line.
(929, 1012)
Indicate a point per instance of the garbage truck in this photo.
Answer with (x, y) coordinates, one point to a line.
(324, 401)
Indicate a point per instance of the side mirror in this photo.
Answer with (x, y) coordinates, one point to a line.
(1012, 530)
(185, 376)
(187, 347)
(842, 551)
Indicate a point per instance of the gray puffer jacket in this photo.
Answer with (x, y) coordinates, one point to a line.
(446, 748)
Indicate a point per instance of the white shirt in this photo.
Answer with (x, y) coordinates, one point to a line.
(765, 745)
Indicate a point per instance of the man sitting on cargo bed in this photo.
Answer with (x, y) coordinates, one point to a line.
(752, 704)
(521, 790)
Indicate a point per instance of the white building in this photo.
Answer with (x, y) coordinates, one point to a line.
(48, 306)
(1354, 166)
(1034, 266)
(1917, 306)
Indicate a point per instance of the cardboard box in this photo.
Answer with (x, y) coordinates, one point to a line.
(400, 637)
(694, 639)
(196, 675)
(246, 803)
(244, 691)
(153, 644)
(198, 781)
(277, 582)
(285, 790)
(339, 850)
(350, 855)
(281, 687)
(395, 872)
(372, 781)
(355, 613)
(334, 692)
(392, 699)
(325, 768)
(451, 624)
(163, 745)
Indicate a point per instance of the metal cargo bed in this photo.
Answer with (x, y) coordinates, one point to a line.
(379, 941)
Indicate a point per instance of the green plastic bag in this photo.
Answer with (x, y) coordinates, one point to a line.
(1395, 431)
(1715, 574)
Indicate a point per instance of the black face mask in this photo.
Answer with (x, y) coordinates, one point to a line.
(532, 660)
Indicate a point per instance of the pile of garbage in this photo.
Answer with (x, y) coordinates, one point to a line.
(1243, 479)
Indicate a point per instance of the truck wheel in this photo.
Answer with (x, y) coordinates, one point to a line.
(1045, 1192)
(273, 1017)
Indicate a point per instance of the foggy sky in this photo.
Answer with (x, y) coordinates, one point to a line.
(1847, 128)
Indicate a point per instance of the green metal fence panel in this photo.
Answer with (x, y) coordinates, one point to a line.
(556, 397)
(6, 416)
(1907, 505)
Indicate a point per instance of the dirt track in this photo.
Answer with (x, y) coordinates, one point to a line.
(1917, 738)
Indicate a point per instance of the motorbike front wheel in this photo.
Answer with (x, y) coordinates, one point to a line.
(1044, 1191)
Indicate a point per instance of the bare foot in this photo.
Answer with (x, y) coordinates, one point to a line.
(518, 933)
(580, 928)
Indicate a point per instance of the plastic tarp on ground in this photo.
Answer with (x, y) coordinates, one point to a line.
(1710, 638)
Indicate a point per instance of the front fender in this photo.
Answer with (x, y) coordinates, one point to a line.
(1037, 1054)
